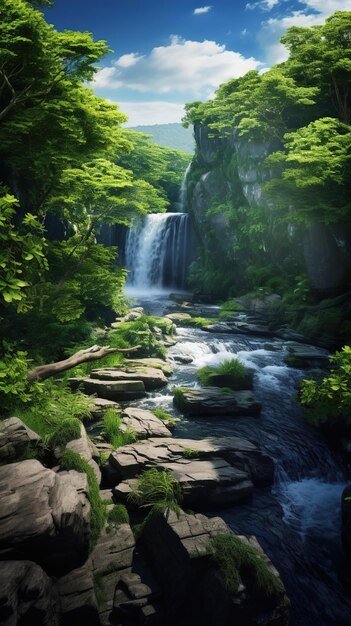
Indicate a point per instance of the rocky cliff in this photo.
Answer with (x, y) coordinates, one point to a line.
(234, 216)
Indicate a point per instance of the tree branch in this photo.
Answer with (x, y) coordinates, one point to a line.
(82, 356)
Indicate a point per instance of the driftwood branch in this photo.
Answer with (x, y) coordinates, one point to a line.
(82, 356)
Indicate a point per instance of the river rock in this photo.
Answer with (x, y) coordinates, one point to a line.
(194, 587)
(241, 328)
(114, 390)
(85, 448)
(152, 378)
(27, 595)
(216, 402)
(44, 515)
(232, 382)
(144, 423)
(128, 461)
(132, 315)
(302, 356)
(15, 437)
(77, 597)
(100, 405)
(165, 366)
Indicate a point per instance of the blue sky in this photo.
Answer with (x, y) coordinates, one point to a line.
(167, 53)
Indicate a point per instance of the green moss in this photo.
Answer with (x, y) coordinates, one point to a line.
(66, 431)
(198, 322)
(190, 453)
(73, 461)
(178, 397)
(167, 418)
(229, 307)
(157, 488)
(118, 515)
(239, 562)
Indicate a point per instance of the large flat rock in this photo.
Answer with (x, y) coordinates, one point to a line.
(152, 377)
(144, 423)
(216, 402)
(44, 516)
(128, 461)
(26, 592)
(15, 437)
(114, 390)
(85, 448)
(154, 362)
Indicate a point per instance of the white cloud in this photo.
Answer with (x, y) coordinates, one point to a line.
(128, 60)
(157, 112)
(189, 67)
(264, 5)
(201, 10)
(312, 13)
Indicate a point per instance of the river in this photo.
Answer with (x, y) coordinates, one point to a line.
(298, 520)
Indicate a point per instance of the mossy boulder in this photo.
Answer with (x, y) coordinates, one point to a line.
(216, 402)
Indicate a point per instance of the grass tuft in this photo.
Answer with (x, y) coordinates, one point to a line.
(112, 428)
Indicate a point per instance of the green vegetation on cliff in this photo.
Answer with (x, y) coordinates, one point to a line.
(272, 173)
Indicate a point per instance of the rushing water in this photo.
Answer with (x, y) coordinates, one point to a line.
(297, 521)
(157, 251)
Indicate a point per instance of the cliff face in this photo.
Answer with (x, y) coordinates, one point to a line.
(226, 198)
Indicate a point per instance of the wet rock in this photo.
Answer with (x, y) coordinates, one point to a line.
(44, 516)
(216, 402)
(152, 378)
(178, 317)
(232, 382)
(180, 358)
(154, 362)
(27, 595)
(15, 438)
(114, 390)
(144, 423)
(241, 328)
(302, 356)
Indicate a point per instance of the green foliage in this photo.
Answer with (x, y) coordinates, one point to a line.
(73, 461)
(231, 368)
(239, 562)
(178, 398)
(118, 515)
(141, 332)
(112, 429)
(230, 307)
(167, 418)
(157, 488)
(53, 404)
(331, 396)
(198, 322)
(190, 453)
(67, 430)
(14, 387)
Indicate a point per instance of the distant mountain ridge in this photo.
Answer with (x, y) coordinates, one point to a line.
(170, 135)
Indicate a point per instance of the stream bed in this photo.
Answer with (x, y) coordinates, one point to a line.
(297, 520)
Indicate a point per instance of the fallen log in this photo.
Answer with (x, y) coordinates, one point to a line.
(82, 356)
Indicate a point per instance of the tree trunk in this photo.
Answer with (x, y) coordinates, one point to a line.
(82, 356)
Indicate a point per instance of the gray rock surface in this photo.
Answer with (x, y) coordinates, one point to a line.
(165, 366)
(44, 516)
(85, 448)
(15, 437)
(100, 405)
(152, 377)
(77, 596)
(215, 402)
(114, 390)
(27, 595)
(144, 423)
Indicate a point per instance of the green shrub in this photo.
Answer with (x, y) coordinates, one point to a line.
(66, 431)
(112, 429)
(140, 333)
(118, 515)
(167, 418)
(239, 562)
(232, 368)
(229, 307)
(190, 453)
(198, 322)
(330, 396)
(157, 488)
(73, 461)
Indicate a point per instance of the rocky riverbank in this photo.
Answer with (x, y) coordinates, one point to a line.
(67, 547)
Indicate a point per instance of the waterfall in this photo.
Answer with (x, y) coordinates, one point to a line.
(157, 251)
(183, 188)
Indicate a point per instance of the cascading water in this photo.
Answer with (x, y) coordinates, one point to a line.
(157, 252)
(183, 189)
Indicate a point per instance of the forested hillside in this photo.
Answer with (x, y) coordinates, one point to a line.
(170, 135)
